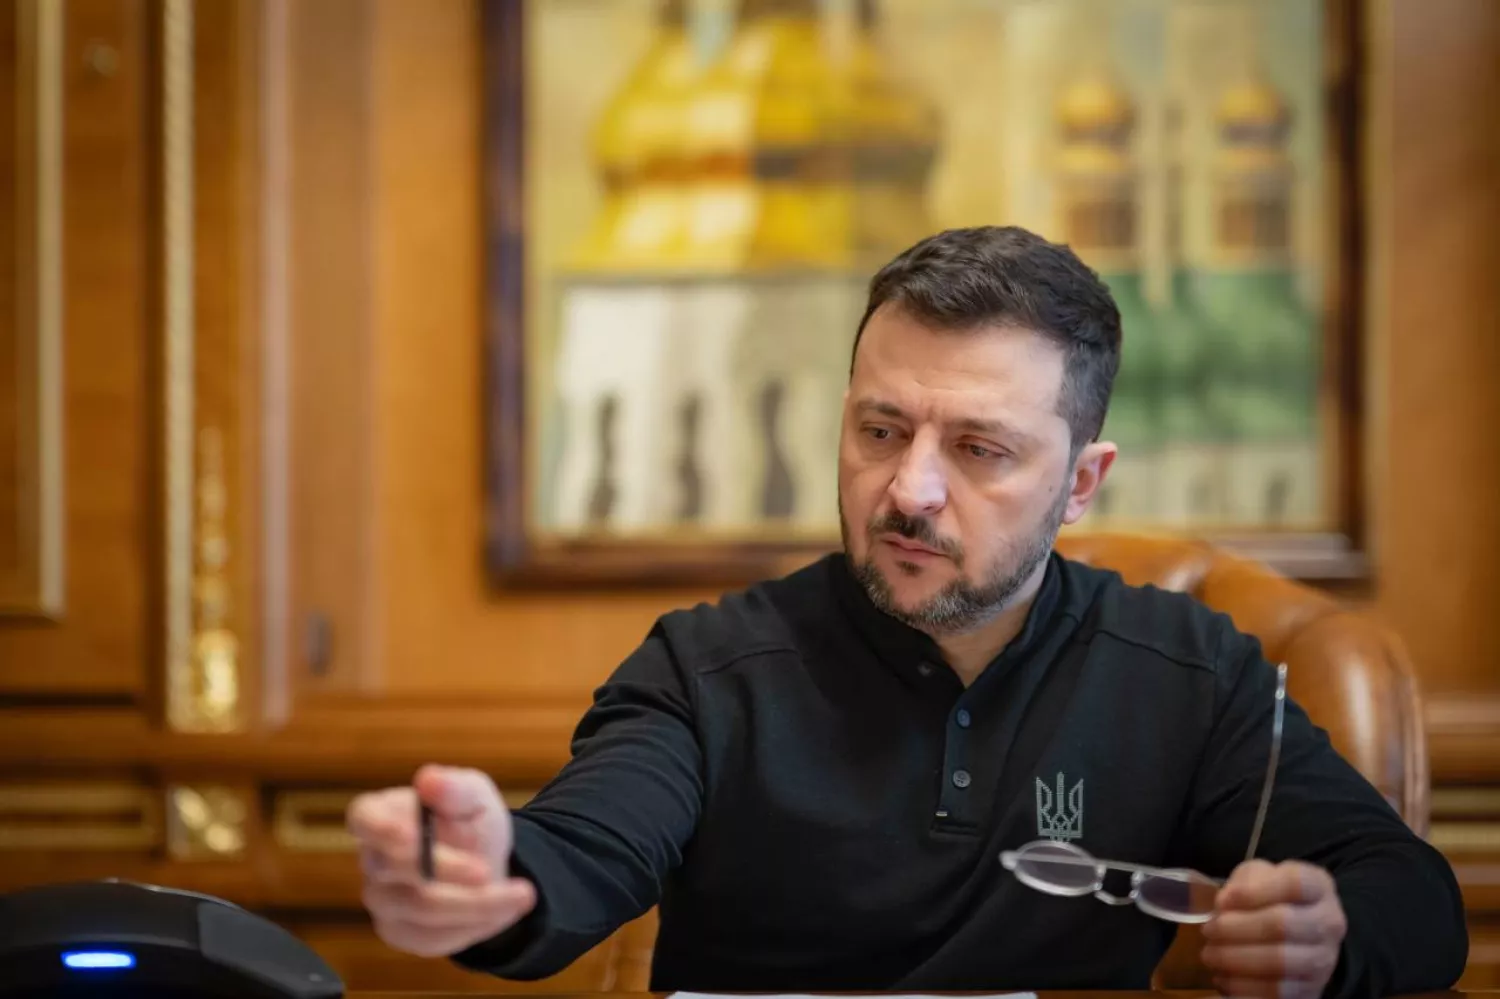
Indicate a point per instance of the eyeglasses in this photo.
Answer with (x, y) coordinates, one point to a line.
(1176, 894)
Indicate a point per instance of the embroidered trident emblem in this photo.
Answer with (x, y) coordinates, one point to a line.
(1057, 821)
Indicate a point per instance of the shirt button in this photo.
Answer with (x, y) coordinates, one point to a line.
(960, 778)
(963, 718)
(925, 669)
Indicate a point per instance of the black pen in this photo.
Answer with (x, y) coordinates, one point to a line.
(427, 837)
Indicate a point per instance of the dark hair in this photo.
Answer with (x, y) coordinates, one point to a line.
(966, 278)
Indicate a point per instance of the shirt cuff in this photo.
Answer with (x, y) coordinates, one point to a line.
(509, 953)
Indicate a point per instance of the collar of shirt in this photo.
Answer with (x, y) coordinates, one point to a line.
(913, 655)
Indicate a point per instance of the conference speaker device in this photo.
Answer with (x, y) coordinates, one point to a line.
(116, 938)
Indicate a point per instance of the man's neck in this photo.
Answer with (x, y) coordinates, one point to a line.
(970, 652)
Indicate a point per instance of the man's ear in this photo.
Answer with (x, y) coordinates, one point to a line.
(1089, 469)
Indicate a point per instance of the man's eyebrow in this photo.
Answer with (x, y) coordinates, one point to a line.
(998, 428)
(879, 406)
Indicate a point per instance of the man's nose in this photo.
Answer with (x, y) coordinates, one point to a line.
(921, 485)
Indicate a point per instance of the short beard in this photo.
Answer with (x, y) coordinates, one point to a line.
(960, 606)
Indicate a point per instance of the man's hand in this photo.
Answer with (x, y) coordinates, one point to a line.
(1277, 931)
(472, 896)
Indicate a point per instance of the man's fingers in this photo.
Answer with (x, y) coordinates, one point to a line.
(402, 866)
(387, 816)
(1257, 884)
(1274, 961)
(438, 919)
(437, 905)
(1269, 925)
(458, 794)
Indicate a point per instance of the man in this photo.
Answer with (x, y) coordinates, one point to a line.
(815, 778)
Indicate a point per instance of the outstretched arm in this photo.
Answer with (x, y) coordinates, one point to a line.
(601, 837)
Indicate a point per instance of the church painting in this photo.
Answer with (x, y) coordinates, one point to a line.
(693, 195)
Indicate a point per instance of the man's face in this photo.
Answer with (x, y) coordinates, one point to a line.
(955, 471)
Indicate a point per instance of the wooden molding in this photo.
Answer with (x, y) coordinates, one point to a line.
(32, 577)
(520, 745)
(1463, 735)
(82, 816)
(1466, 838)
(1466, 803)
(1480, 881)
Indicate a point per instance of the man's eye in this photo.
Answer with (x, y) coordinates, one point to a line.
(879, 433)
(981, 452)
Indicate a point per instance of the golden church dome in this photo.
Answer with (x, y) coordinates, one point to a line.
(1094, 105)
(1253, 110)
(641, 124)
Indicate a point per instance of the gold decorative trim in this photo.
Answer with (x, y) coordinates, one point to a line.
(201, 650)
(1466, 802)
(49, 313)
(1465, 837)
(314, 821)
(206, 823)
(79, 817)
(215, 693)
(177, 181)
(275, 256)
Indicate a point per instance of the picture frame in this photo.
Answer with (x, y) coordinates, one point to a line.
(521, 552)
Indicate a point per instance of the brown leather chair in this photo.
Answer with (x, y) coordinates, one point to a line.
(1350, 673)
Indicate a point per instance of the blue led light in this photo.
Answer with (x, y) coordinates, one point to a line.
(95, 959)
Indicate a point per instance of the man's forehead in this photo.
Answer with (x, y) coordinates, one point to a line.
(985, 373)
(896, 337)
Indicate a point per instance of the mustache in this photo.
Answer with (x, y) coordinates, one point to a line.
(918, 529)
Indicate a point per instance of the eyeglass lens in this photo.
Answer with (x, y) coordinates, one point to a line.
(1063, 869)
(1183, 895)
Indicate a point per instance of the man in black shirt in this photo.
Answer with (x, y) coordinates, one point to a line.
(815, 778)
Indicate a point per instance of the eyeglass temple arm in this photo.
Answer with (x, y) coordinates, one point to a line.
(1265, 793)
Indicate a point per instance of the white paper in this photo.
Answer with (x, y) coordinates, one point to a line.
(881, 995)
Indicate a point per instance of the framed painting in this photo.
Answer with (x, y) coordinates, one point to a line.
(686, 199)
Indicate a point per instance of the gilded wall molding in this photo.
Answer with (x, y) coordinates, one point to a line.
(215, 658)
(206, 823)
(201, 649)
(1454, 838)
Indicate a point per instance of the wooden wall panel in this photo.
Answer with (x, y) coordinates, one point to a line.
(101, 645)
(32, 512)
(322, 133)
(1435, 168)
(1434, 165)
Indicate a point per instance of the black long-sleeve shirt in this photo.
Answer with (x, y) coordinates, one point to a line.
(817, 802)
